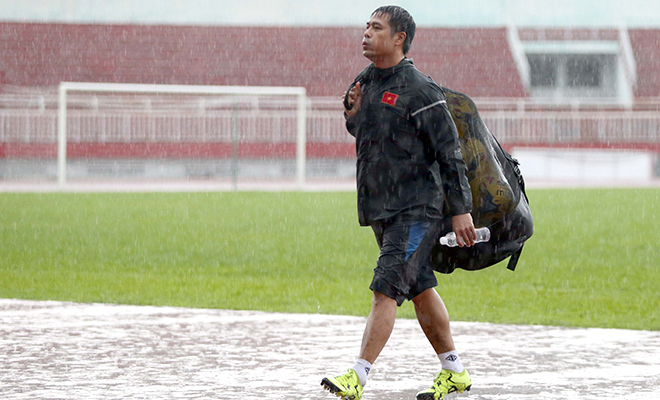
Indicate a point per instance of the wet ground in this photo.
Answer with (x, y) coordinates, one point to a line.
(54, 350)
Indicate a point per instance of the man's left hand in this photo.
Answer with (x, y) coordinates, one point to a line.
(464, 229)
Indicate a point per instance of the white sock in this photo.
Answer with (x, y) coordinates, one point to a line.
(451, 361)
(362, 367)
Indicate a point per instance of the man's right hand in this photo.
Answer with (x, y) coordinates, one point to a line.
(464, 229)
(354, 99)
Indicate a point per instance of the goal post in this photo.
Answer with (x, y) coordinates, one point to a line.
(66, 87)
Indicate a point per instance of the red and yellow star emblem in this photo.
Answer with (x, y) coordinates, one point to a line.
(389, 98)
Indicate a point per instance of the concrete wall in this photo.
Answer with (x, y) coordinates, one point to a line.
(586, 165)
(638, 13)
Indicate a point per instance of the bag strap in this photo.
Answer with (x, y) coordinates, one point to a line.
(513, 261)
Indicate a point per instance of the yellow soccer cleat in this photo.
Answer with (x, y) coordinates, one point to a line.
(446, 382)
(346, 386)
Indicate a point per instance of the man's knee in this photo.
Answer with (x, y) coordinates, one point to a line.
(381, 299)
(423, 298)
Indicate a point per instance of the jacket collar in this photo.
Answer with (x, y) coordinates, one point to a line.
(382, 73)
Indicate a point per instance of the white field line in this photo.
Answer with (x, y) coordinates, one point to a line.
(268, 186)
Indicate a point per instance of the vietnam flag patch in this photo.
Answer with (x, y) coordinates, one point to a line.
(389, 98)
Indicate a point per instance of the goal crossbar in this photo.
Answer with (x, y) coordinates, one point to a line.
(65, 87)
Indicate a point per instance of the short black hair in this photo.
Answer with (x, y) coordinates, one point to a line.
(400, 21)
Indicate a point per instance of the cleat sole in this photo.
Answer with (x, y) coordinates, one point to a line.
(341, 391)
(330, 387)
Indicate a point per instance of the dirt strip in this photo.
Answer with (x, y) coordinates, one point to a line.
(55, 350)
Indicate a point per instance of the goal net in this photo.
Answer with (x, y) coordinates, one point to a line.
(221, 133)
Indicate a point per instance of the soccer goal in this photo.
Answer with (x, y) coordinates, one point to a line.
(176, 122)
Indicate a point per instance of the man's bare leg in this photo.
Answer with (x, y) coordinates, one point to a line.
(379, 326)
(434, 320)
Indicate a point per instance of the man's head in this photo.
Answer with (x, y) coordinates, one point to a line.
(388, 37)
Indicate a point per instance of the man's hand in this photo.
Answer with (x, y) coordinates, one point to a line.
(354, 99)
(464, 229)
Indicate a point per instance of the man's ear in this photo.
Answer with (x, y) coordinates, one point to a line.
(399, 38)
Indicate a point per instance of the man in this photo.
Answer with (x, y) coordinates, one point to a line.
(405, 138)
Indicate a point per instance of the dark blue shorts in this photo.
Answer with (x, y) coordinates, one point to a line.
(404, 267)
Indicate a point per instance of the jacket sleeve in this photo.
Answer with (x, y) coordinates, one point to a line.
(434, 122)
(350, 124)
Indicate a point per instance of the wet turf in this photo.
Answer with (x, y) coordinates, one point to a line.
(593, 261)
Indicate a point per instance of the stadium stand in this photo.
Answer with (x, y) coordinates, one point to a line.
(481, 62)
(321, 59)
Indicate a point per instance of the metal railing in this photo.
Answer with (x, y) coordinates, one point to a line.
(512, 122)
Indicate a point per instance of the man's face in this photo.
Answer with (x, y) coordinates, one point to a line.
(378, 41)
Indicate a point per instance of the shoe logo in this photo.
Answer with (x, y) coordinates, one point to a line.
(451, 358)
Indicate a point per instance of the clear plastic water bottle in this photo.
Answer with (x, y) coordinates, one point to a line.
(483, 235)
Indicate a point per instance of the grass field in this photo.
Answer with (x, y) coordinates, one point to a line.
(594, 259)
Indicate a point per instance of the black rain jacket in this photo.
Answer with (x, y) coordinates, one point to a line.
(406, 141)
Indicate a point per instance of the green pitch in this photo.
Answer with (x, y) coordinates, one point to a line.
(594, 259)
